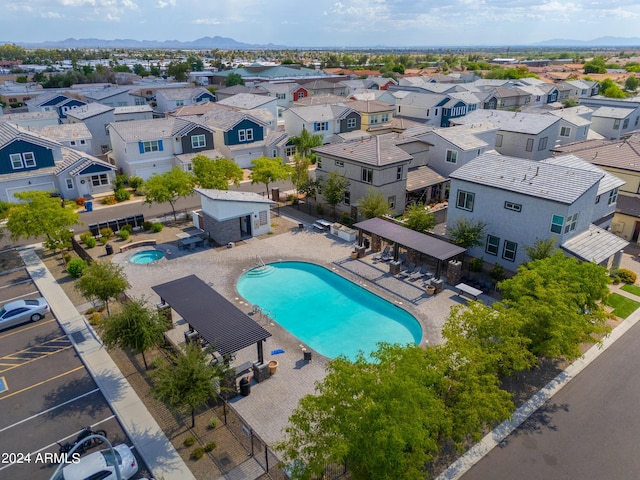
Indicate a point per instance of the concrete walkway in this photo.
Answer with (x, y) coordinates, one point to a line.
(145, 434)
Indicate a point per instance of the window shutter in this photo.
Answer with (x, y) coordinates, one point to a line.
(160, 145)
(140, 147)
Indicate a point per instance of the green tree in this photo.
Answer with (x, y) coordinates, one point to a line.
(216, 173)
(138, 69)
(169, 187)
(38, 215)
(188, 380)
(333, 189)
(467, 233)
(300, 172)
(178, 70)
(102, 281)
(631, 83)
(310, 189)
(569, 102)
(268, 170)
(305, 142)
(373, 204)
(597, 65)
(559, 301)
(234, 79)
(541, 248)
(608, 88)
(419, 218)
(136, 328)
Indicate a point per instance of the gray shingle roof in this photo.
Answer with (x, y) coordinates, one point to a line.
(370, 106)
(377, 151)
(613, 112)
(225, 118)
(76, 161)
(10, 133)
(102, 93)
(462, 136)
(622, 154)
(17, 117)
(608, 182)
(146, 130)
(320, 113)
(64, 132)
(426, 100)
(89, 110)
(528, 123)
(233, 196)
(181, 93)
(246, 101)
(536, 179)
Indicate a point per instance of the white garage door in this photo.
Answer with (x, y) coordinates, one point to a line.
(46, 187)
(145, 173)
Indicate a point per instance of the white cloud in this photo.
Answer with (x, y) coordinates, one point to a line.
(51, 15)
(207, 21)
(169, 3)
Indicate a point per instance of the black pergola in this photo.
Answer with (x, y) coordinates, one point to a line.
(399, 235)
(214, 317)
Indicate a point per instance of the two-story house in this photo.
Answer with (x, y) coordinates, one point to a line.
(325, 120)
(584, 88)
(573, 126)
(425, 107)
(72, 135)
(54, 101)
(522, 135)
(375, 162)
(613, 123)
(376, 115)
(145, 147)
(553, 201)
(31, 119)
(110, 95)
(250, 103)
(324, 87)
(96, 117)
(170, 99)
(29, 161)
(501, 98)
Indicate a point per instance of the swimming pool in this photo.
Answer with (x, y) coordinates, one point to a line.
(146, 256)
(328, 313)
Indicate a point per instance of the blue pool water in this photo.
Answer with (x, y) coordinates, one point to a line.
(328, 313)
(146, 256)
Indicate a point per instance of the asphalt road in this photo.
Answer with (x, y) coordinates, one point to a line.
(587, 431)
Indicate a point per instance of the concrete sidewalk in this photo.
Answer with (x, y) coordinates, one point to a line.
(145, 434)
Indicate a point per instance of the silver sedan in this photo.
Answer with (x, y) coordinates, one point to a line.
(21, 311)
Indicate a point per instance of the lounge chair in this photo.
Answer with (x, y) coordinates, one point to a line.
(383, 254)
(411, 268)
(418, 273)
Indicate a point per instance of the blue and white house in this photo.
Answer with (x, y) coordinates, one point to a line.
(54, 101)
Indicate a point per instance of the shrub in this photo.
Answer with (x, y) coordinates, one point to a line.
(122, 195)
(627, 276)
(110, 200)
(345, 219)
(85, 236)
(210, 447)
(497, 272)
(189, 441)
(476, 264)
(66, 257)
(91, 242)
(104, 240)
(146, 225)
(127, 227)
(156, 227)
(135, 182)
(198, 453)
(124, 234)
(90, 310)
(120, 181)
(213, 422)
(75, 267)
(96, 318)
(80, 201)
(106, 232)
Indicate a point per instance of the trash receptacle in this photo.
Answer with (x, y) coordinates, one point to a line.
(109, 248)
(367, 242)
(245, 386)
(88, 206)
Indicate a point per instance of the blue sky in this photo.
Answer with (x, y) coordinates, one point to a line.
(348, 23)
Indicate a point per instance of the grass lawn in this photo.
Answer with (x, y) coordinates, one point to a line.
(622, 306)
(631, 288)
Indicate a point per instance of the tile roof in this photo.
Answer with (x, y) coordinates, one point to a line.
(463, 136)
(571, 117)
(422, 177)
(76, 161)
(226, 118)
(613, 112)
(555, 183)
(236, 89)
(622, 154)
(370, 106)
(316, 113)
(426, 100)
(181, 93)
(608, 181)
(146, 130)
(187, 157)
(233, 196)
(379, 150)
(594, 245)
(63, 132)
(517, 122)
(89, 110)
(10, 132)
(246, 101)
(628, 205)
(326, 99)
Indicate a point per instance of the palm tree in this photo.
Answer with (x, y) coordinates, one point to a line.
(305, 142)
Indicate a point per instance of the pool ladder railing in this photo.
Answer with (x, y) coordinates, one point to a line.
(260, 262)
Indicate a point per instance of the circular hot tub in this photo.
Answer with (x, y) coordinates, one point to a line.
(146, 257)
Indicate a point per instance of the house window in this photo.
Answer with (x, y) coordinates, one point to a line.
(179, 103)
(492, 245)
(384, 117)
(339, 163)
(320, 126)
(347, 197)
(557, 221)
(351, 123)
(436, 112)
(300, 95)
(150, 146)
(367, 175)
(198, 141)
(542, 144)
(399, 172)
(263, 217)
(616, 124)
(188, 167)
(509, 250)
(29, 159)
(637, 120)
(16, 161)
(140, 101)
(613, 196)
(289, 150)
(598, 197)
(465, 200)
(565, 131)
(625, 124)
(392, 202)
(452, 156)
(99, 180)
(274, 153)
(69, 182)
(529, 145)
(82, 142)
(516, 207)
(498, 140)
(571, 222)
(281, 96)
(318, 162)
(373, 119)
(72, 143)
(245, 135)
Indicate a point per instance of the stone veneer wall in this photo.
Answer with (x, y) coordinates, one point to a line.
(222, 232)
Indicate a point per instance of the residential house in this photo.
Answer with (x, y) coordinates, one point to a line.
(111, 96)
(328, 99)
(376, 162)
(379, 83)
(501, 98)
(136, 112)
(522, 135)
(255, 74)
(250, 103)
(29, 161)
(376, 115)
(553, 201)
(325, 120)
(622, 159)
(170, 99)
(573, 126)
(583, 88)
(324, 87)
(54, 101)
(381, 95)
(284, 93)
(425, 107)
(227, 92)
(613, 123)
(145, 147)
(96, 117)
(72, 135)
(31, 119)
(230, 215)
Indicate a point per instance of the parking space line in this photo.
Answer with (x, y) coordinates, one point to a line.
(42, 383)
(20, 296)
(44, 412)
(37, 352)
(34, 325)
(17, 283)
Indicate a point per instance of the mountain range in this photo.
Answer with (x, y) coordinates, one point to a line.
(225, 43)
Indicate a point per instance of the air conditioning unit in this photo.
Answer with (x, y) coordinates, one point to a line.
(191, 337)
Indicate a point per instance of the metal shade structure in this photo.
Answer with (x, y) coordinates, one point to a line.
(214, 317)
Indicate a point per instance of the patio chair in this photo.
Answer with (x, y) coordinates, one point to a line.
(418, 273)
(383, 254)
(411, 268)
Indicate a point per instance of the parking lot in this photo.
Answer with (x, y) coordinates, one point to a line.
(46, 394)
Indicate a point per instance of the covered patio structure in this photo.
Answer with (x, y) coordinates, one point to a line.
(218, 321)
(413, 241)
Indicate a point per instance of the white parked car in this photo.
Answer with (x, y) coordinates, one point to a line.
(101, 465)
(21, 311)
